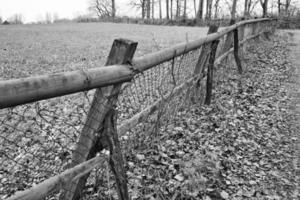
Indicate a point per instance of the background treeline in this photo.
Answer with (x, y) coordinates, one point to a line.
(179, 12)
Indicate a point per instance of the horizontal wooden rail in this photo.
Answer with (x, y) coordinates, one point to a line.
(58, 182)
(25, 90)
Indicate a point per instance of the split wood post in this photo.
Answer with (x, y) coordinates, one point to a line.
(91, 140)
(202, 60)
(236, 51)
(205, 51)
(228, 42)
(116, 159)
(210, 70)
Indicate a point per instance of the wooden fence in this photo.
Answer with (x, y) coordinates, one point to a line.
(100, 130)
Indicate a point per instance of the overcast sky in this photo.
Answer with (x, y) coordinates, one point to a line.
(34, 10)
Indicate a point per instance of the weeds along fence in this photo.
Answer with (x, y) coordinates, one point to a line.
(60, 132)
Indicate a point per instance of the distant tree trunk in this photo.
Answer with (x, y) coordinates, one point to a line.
(208, 9)
(148, 8)
(143, 8)
(113, 9)
(279, 5)
(152, 3)
(184, 10)
(245, 8)
(264, 5)
(160, 11)
(200, 9)
(233, 10)
(178, 9)
(195, 8)
(167, 9)
(287, 5)
(171, 9)
(216, 9)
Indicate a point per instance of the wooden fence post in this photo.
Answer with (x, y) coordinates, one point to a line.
(205, 51)
(91, 141)
(116, 159)
(254, 28)
(241, 38)
(228, 41)
(236, 51)
(202, 60)
(210, 70)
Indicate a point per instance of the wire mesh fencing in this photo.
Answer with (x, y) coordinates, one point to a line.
(38, 139)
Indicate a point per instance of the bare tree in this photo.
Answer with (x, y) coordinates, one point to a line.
(264, 5)
(103, 8)
(279, 6)
(184, 9)
(208, 9)
(140, 4)
(113, 8)
(160, 9)
(152, 8)
(216, 8)
(16, 19)
(171, 9)
(249, 6)
(200, 9)
(233, 10)
(195, 8)
(178, 8)
(55, 17)
(287, 5)
(48, 18)
(148, 8)
(167, 9)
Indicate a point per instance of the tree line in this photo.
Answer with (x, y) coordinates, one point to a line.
(181, 9)
(175, 10)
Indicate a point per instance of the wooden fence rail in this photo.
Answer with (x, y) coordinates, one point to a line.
(100, 127)
(25, 90)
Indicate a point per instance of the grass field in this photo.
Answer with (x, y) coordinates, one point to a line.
(40, 49)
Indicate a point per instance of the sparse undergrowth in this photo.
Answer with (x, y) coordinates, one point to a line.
(240, 147)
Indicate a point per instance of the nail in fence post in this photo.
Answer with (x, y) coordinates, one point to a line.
(90, 143)
(210, 68)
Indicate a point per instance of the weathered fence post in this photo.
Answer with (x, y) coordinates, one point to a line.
(236, 51)
(254, 28)
(210, 69)
(228, 40)
(241, 38)
(202, 60)
(116, 159)
(92, 140)
(204, 51)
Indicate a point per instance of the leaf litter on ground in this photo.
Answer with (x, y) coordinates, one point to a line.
(239, 147)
